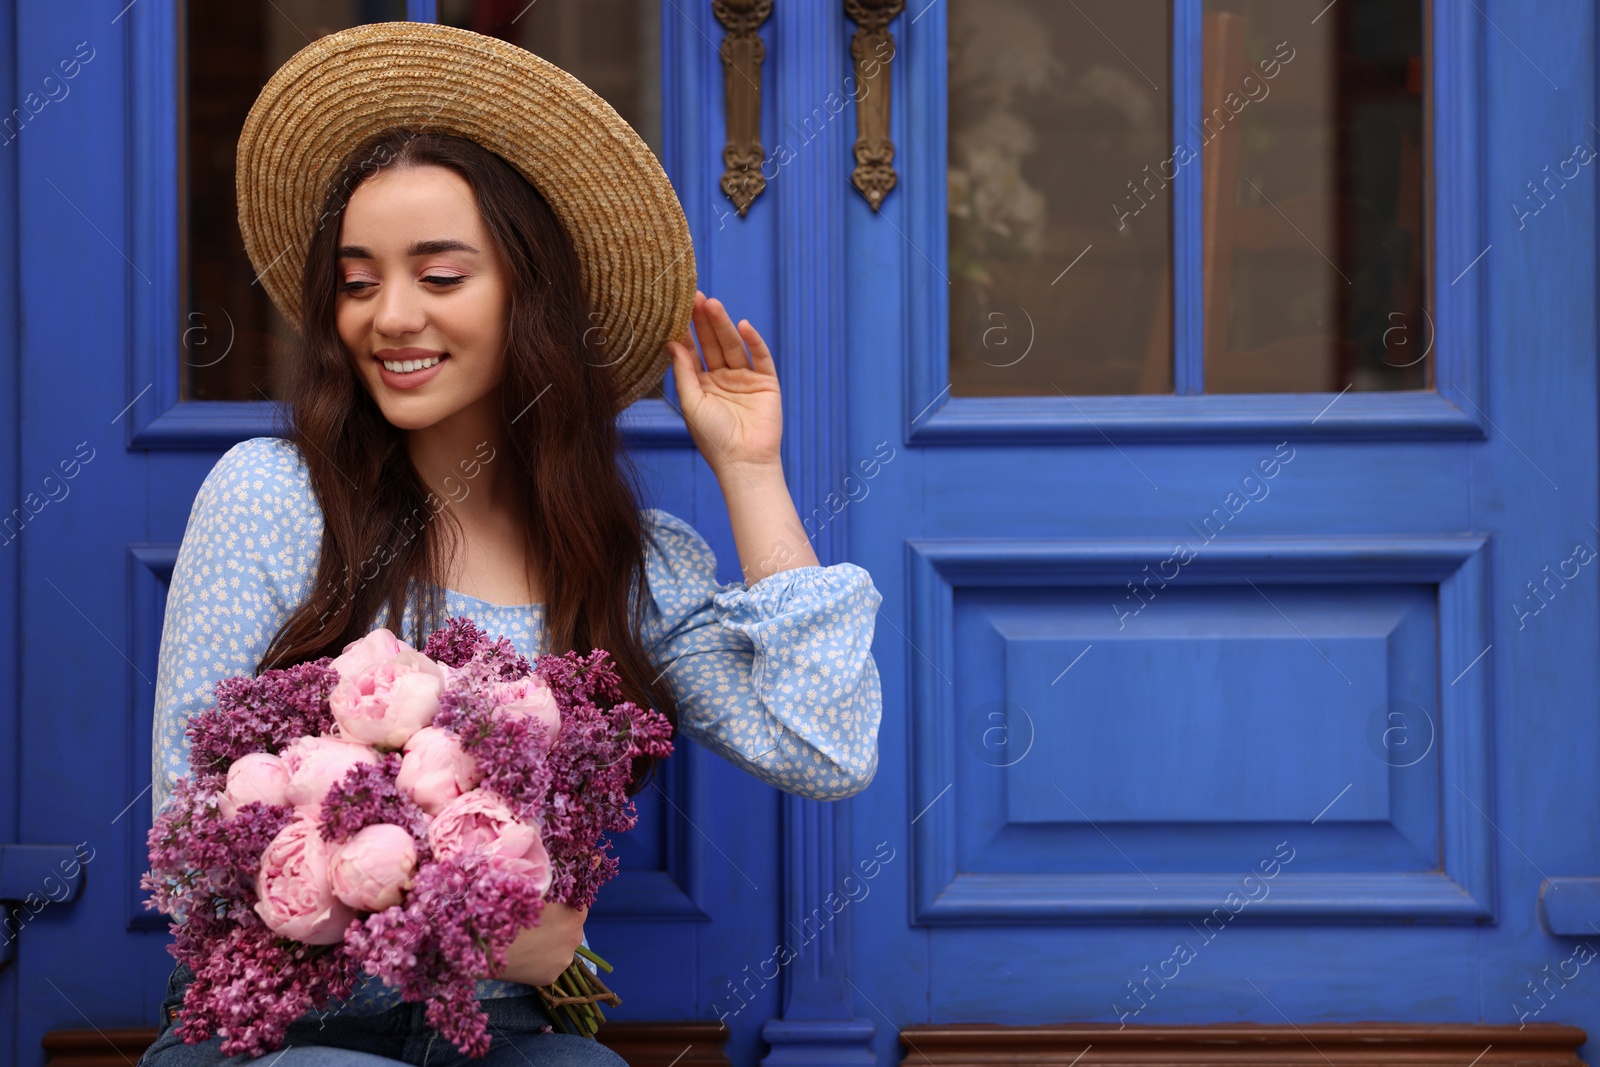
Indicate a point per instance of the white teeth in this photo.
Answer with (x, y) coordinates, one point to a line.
(409, 365)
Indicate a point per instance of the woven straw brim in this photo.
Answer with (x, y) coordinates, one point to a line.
(604, 184)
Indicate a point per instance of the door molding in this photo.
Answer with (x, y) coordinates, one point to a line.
(945, 887)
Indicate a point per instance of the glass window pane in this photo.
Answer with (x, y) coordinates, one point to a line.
(233, 338)
(1315, 243)
(1060, 225)
(612, 46)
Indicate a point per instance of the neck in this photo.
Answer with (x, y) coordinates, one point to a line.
(463, 459)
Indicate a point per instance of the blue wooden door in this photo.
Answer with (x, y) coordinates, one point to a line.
(136, 352)
(1234, 533)
(1254, 681)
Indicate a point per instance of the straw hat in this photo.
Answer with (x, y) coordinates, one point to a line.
(605, 185)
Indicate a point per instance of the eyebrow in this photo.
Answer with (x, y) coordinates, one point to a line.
(418, 248)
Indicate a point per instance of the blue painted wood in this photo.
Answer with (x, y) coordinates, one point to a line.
(1211, 598)
(735, 818)
(1449, 517)
(11, 475)
(99, 561)
(1460, 205)
(163, 332)
(217, 425)
(149, 574)
(35, 870)
(1203, 419)
(1538, 289)
(33, 878)
(1571, 906)
(1366, 922)
(74, 306)
(1188, 284)
(813, 92)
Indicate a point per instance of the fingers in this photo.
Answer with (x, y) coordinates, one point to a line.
(719, 339)
(760, 354)
(686, 372)
(686, 342)
(706, 334)
(732, 344)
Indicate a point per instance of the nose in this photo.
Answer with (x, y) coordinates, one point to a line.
(399, 311)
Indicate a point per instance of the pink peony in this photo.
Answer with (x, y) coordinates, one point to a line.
(481, 821)
(315, 764)
(294, 898)
(535, 865)
(380, 646)
(252, 777)
(388, 701)
(436, 769)
(373, 869)
(530, 696)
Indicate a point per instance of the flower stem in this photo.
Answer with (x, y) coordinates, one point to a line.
(589, 954)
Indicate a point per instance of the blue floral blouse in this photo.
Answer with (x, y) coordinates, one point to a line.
(777, 677)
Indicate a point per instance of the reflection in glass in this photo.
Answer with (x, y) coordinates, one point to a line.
(612, 46)
(1060, 223)
(1315, 245)
(235, 341)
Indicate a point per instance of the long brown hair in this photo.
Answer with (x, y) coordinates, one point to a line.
(579, 494)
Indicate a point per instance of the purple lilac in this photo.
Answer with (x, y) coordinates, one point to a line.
(454, 927)
(366, 795)
(590, 769)
(252, 984)
(248, 986)
(460, 640)
(509, 751)
(201, 863)
(262, 714)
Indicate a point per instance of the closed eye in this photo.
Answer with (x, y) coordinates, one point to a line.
(436, 279)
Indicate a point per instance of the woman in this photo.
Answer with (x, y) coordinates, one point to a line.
(454, 451)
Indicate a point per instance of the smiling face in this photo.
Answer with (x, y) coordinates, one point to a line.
(419, 278)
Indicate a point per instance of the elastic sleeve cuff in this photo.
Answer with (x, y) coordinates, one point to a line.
(771, 597)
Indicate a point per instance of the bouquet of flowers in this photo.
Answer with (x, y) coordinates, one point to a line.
(399, 813)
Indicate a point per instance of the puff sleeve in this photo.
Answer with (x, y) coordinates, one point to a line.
(777, 677)
(247, 560)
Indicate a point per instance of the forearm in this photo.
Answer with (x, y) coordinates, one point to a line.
(766, 526)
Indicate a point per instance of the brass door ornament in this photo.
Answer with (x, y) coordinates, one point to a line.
(872, 48)
(742, 53)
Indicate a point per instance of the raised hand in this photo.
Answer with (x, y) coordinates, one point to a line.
(731, 404)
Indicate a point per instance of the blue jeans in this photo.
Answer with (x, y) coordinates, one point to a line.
(399, 1035)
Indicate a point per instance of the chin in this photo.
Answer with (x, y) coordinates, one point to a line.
(408, 423)
(412, 417)
(408, 413)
